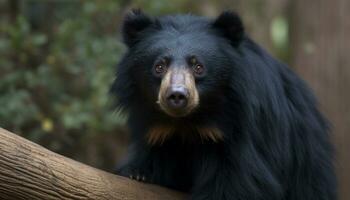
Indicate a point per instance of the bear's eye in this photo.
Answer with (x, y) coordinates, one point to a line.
(198, 69)
(159, 69)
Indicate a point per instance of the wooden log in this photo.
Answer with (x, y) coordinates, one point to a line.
(29, 171)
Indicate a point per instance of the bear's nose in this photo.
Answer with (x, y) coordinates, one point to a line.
(177, 97)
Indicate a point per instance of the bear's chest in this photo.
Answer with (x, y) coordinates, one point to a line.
(181, 135)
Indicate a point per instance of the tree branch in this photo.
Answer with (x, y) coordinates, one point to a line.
(29, 171)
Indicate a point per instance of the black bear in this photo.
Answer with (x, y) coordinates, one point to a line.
(213, 114)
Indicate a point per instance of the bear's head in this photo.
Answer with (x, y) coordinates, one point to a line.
(177, 65)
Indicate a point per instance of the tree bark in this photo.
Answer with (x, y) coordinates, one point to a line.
(29, 171)
(320, 42)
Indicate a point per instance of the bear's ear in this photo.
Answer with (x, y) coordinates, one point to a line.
(231, 26)
(134, 22)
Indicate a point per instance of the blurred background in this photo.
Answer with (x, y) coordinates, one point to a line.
(57, 60)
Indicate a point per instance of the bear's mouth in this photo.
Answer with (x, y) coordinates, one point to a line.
(178, 95)
(175, 112)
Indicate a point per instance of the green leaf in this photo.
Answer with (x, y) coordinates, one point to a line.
(279, 31)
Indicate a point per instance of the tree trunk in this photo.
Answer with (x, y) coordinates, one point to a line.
(29, 171)
(320, 42)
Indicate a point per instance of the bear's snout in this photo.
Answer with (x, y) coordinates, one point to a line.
(177, 97)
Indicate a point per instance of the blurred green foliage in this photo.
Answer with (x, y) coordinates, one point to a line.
(57, 62)
(279, 36)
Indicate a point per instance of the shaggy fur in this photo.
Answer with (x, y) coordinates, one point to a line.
(271, 143)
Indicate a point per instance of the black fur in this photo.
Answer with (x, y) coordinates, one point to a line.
(134, 22)
(276, 143)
